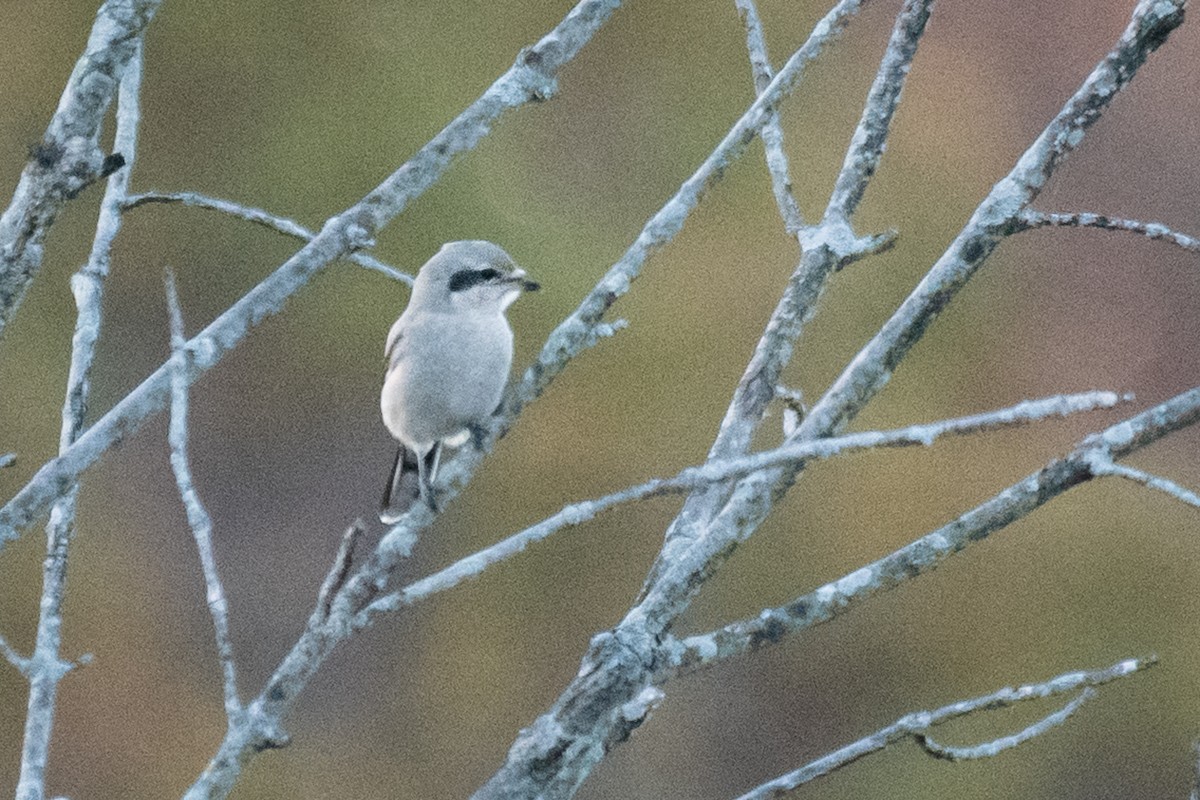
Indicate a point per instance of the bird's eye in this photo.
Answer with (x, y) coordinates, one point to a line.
(489, 274)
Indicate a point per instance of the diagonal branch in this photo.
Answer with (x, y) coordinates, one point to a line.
(719, 471)
(996, 217)
(917, 724)
(1104, 465)
(772, 134)
(259, 217)
(68, 158)
(870, 370)
(577, 331)
(198, 519)
(531, 78)
(923, 555)
(826, 248)
(870, 137)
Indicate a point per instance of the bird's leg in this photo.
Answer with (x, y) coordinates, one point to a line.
(427, 472)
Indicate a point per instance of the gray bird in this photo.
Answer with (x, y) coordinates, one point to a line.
(448, 358)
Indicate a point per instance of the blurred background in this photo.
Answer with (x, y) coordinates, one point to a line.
(302, 107)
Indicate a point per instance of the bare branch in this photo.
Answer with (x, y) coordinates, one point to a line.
(531, 78)
(259, 217)
(996, 217)
(772, 134)
(1104, 465)
(335, 579)
(922, 555)
(1195, 793)
(20, 662)
(197, 516)
(554, 754)
(826, 247)
(68, 158)
(574, 334)
(46, 666)
(720, 471)
(997, 746)
(866, 147)
(918, 723)
(751, 500)
(7, 459)
(1031, 219)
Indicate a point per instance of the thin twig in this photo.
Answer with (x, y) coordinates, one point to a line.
(46, 667)
(1031, 219)
(1195, 793)
(923, 555)
(917, 724)
(997, 746)
(7, 460)
(338, 572)
(719, 471)
(1104, 465)
(197, 516)
(867, 144)
(772, 133)
(68, 158)
(257, 216)
(20, 662)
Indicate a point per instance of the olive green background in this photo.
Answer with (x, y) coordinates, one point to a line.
(302, 107)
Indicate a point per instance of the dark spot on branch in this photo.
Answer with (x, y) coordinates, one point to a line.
(46, 154)
(533, 58)
(771, 631)
(275, 693)
(973, 251)
(940, 300)
(546, 765)
(111, 164)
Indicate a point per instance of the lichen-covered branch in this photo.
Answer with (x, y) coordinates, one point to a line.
(918, 723)
(923, 555)
(531, 78)
(867, 144)
(723, 470)
(996, 217)
(872, 367)
(1031, 219)
(46, 666)
(68, 158)
(826, 247)
(772, 133)
(576, 332)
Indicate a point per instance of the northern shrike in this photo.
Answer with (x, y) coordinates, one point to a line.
(448, 358)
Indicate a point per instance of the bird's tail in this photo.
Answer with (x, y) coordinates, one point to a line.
(403, 486)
